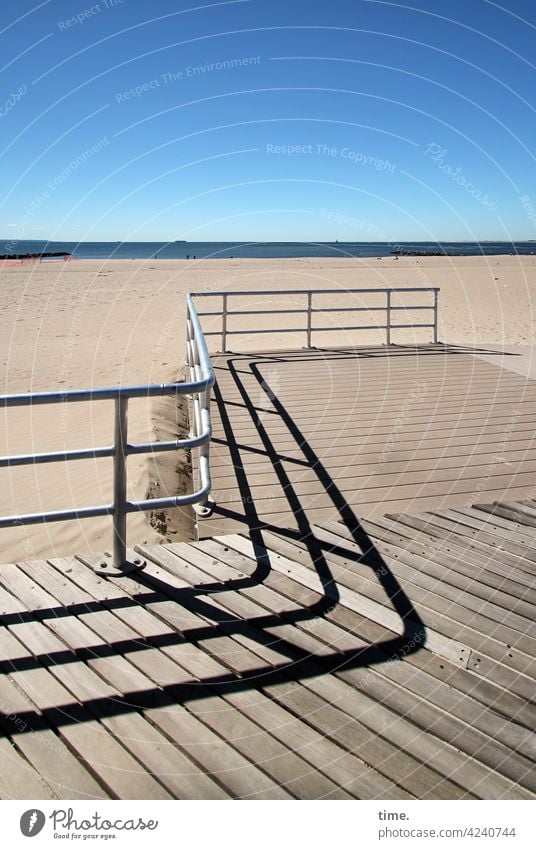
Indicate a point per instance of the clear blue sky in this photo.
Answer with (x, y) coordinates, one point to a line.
(268, 120)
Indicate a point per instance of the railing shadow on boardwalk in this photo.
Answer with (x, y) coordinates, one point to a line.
(414, 632)
(414, 635)
(153, 589)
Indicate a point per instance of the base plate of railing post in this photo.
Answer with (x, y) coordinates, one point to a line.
(203, 510)
(106, 568)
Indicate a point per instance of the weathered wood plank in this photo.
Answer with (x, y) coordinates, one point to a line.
(335, 641)
(489, 692)
(478, 556)
(99, 751)
(18, 779)
(272, 654)
(470, 624)
(445, 637)
(285, 767)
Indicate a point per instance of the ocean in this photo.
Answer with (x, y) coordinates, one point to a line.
(258, 250)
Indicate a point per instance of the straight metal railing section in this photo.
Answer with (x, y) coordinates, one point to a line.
(310, 309)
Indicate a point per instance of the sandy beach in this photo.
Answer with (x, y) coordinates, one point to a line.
(100, 323)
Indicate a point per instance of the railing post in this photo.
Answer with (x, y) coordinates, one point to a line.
(309, 317)
(436, 299)
(120, 482)
(119, 564)
(224, 324)
(388, 322)
(203, 507)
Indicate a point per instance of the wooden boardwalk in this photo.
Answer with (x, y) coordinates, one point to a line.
(387, 659)
(301, 436)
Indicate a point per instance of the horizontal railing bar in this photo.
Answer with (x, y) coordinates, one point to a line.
(108, 509)
(218, 313)
(171, 501)
(56, 516)
(410, 326)
(369, 327)
(177, 500)
(313, 291)
(107, 451)
(363, 309)
(57, 456)
(275, 330)
(149, 390)
(324, 329)
(354, 327)
(168, 445)
(255, 312)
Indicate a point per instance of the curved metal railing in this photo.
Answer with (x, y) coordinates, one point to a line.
(198, 387)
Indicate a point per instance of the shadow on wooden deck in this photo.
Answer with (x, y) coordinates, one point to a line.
(339, 658)
(363, 431)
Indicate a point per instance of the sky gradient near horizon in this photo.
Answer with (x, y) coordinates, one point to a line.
(352, 120)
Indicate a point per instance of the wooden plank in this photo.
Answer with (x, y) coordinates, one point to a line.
(357, 643)
(375, 484)
(213, 571)
(42, 748)
(437, 596)
(117, 770)
(467, 708)
(488, 692)
(360, 426)
(18, 780)
(478, 555)
(518, 550)
(439, 788)
(182, 778)
(509, 525)
(341, 456)
(371, 479)
(293, 376)
(233, 518)
(284, 766)
(233, 654)
(469, 565)
(427, 585)
(516, 538)
(215, 756)
(445, 637)
(241, 777)
(303, 406)
(490, 432)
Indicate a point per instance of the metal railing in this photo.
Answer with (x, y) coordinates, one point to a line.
(309, 310)
(199, 388)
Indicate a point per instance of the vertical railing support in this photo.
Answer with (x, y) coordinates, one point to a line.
(119, 565)
(388, 321)
(120, 482)
(309, 317)
(224, 324)
(204, 507)
(436, 299)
